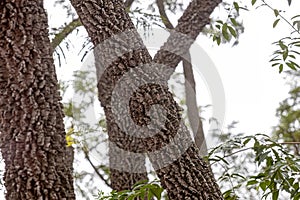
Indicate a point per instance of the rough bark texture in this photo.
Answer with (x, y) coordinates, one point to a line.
(32, 138)
(181, 170)
(190, 89)
(120, 179)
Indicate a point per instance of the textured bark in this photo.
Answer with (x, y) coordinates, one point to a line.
(181, 170)
(120, 179)
(190, 89)
(32, 139)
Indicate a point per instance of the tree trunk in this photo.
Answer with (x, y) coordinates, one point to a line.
(190, 89)
(125, 62)
(32, 139)
(125, 169)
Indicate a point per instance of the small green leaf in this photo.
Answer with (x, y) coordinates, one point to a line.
(232, 31)
(280, 68)
(157, 192)
(276, 12)
(275, 22)
(246, 141)
(219, 40)
(253, 2)
(295, 64)
(285, 54)
(252, 182)
(291, 65)
(234, 22)
(273, 65)
(225, 32)
(236, 6)
(263, 186)
(282, 46)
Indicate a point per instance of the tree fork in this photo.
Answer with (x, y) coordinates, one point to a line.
(188, 176)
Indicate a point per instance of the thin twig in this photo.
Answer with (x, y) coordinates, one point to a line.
(95, 168)
(282, 17)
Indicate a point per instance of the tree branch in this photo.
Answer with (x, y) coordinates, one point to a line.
(95, 168)
(59, 37)
(190, 89)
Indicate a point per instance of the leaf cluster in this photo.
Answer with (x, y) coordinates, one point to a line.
(141, 190)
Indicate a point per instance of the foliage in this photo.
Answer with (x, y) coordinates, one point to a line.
(142, 190)
(288, 128)
(223, 31)
(275, 172)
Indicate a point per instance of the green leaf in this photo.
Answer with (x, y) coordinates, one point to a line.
(291, 65)
(253, 2)
(297, 24)
(282, 46)
(234, 22)
(262, 157)
(157, 192)
(280, 68)
(225, 161)
(225, 32)
(276, 12)
(285, 54)
(275, 22)
(252, 182)
(295, 64)
(246, 141)
(263, 186)
(236, 6)
(232, 31)
(273, 65)
(218, 40)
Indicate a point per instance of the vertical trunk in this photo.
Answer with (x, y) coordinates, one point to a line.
(125, 170)
(171, 151)
(32, 139)
(192, 108)
(190, 89)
